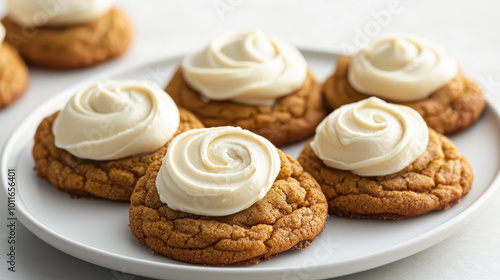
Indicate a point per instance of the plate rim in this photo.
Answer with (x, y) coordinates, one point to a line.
(106, 259)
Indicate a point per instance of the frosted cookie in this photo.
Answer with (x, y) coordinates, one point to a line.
(13, 72)
(379, 160)
(106, 137)
(67, 34)
(411, 71)
(225, 196)
(253, 81)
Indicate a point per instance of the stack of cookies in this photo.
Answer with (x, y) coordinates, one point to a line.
(200, 161)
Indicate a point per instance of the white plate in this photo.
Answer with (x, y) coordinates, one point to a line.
(97, 230)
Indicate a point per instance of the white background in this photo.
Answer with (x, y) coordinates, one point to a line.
(468, 29)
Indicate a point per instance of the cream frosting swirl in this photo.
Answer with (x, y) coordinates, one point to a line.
(31, 13)
(401, 67)
(115, 119)
(371, 137)
(249, 68)
(217, 171)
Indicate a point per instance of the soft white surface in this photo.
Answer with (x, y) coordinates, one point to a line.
(468, 29)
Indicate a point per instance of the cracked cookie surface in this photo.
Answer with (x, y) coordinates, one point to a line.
(290, 216)
(74, 46)
(292, 118)
(114, 179)
(436, 180)
(13, 75)
(450, 109)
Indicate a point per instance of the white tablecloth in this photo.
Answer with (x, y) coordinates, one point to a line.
(469, 30)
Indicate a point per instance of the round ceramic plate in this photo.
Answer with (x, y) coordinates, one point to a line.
(97, 230)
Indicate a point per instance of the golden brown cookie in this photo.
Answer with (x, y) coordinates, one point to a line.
(452, 108)
(436, 180)
(73, 46)
(292, 118)
(290, 216)
(13, 75)
(113, 179)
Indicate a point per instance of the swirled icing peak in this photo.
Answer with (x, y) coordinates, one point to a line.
(250, 68)
(32, 13)
(401, 68)
(116, 119)
(371, 137)
(217, 171)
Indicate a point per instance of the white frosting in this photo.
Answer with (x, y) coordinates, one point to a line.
(2, 32)
(32, 13)
(371, 137)
(217, 171)
(116, 119)
(401, 68)
(250, 68)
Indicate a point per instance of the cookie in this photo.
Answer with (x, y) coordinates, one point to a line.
(13, 75)
(73, 46)
(290, 216)
(436, 180)
(292, 118)
(110, 179)
(452, 108)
